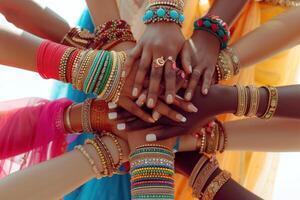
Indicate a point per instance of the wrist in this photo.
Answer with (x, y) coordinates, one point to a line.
(226, 99)
(263, 102)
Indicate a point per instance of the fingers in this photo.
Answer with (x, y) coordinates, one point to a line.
(184, 105)
(170, 79)
(155, 79)
(136, 125)
(163, 109)
(186, 58)
(164, 134)
(143, 68)
(132, 57)
(194, 80)
(133, 108)
(207, 80)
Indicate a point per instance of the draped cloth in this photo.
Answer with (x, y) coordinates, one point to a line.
(31, 131)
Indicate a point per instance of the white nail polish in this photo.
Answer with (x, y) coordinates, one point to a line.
(169, 99)
(155, 115)
(112, 105)
(180, 118)
(141, 100)
(151, 137)
(188, 96)
(134, 92)
(150, 103)
(121, 126)
(190, 68)
(112, 115)
(192, 108)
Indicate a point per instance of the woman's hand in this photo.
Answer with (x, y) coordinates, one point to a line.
(160, 40)
(200, 53)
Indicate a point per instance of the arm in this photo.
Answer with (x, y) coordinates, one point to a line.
(286, 26)
(32, 18)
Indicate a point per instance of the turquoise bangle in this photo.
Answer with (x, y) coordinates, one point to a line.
(90, 74)
(107, 74)
(99, 65)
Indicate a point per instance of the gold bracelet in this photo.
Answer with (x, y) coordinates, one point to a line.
(203, 177)
(68, 120)
(196, 169)
(242, 100)
(107, 156)
(254, 101)
(216, 185)
(234, 60)
(224, 66)
(82, 70)
(63, 64)
(81, 149)
(86, 116)
(272, 103)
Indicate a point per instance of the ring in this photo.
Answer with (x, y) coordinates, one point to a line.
(160, 62)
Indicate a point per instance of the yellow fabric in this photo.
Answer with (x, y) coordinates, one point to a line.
(281, 69)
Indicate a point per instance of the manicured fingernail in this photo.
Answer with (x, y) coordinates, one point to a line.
(121, 126)
(150, 103)
(141, 100)
(170, 99)
(112, 115)
(155, 115)
(205, 91)
(152, 120)
(174, 66)
(112, 105)
(180, 118)
(188, 96)
(190, 68)
(151, 138)
(134, 92)
(192, 108)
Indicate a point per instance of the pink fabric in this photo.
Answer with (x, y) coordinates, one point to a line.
(31, 131)
(48, 59)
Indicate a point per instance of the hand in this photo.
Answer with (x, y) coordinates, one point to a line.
(159, 40)
(221, 99)
(200, 53)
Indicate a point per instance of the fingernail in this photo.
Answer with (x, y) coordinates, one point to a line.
(192, 108)
(205, 91)
(180, 118)
(190, 68)
(188, 96)
(121, 126)
(112, 115)
(170, 99)
(151, 137)
(151, 120)
(155, 115)
(112, 105)
(134, 92)
(141, 100)
(182, 75)
(174, 66)
(150, 103)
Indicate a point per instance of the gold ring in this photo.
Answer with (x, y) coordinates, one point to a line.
(160, 62)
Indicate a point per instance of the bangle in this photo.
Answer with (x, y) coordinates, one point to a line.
(68, 120)
(79, 38)
(81, 149)
(163, 14)
(197, 169)
(284, 3)
(272, 103)
(216, 26)
(254, 101)
(234, 59)
(242, 100)
(173, 3)
(86, 116)
(223, 136)
(215, 185)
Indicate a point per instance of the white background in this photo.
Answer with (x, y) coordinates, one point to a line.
(18, 83)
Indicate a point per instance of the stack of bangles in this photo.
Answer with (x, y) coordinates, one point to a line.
(109, 166)
(164, 11)
(152, 170)
(205, 179)
(284, 3)
(216, 26)
(105, 37)
(99, 72)
(212, 138)
(249, 101)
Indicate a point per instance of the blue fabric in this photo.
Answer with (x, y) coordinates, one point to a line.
(113, 188)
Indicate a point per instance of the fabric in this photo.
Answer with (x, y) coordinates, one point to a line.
(31, 131)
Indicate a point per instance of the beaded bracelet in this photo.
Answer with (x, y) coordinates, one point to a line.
(213, 24)
(284, 3)
(178, 4)
(86, 116)
(272, 103)
(163, 14)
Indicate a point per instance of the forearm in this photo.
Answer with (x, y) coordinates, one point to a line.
(32, 18)
(227, 10)
(103, 11)
(275, 135)
(274, 36)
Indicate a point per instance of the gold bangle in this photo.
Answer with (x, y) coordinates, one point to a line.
(234, 60)
(63, 64)
(86, 116)
(81, 149)
(216, 185)
(68, 120)
(203, 177)
(272, 103)
(242, 100)
(254, 101)
(107, 156)
(196, 169)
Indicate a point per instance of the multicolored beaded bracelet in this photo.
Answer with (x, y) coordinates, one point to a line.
(272, 103)
(215, 25)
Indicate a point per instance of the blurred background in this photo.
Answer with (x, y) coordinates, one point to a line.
(19, 83)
